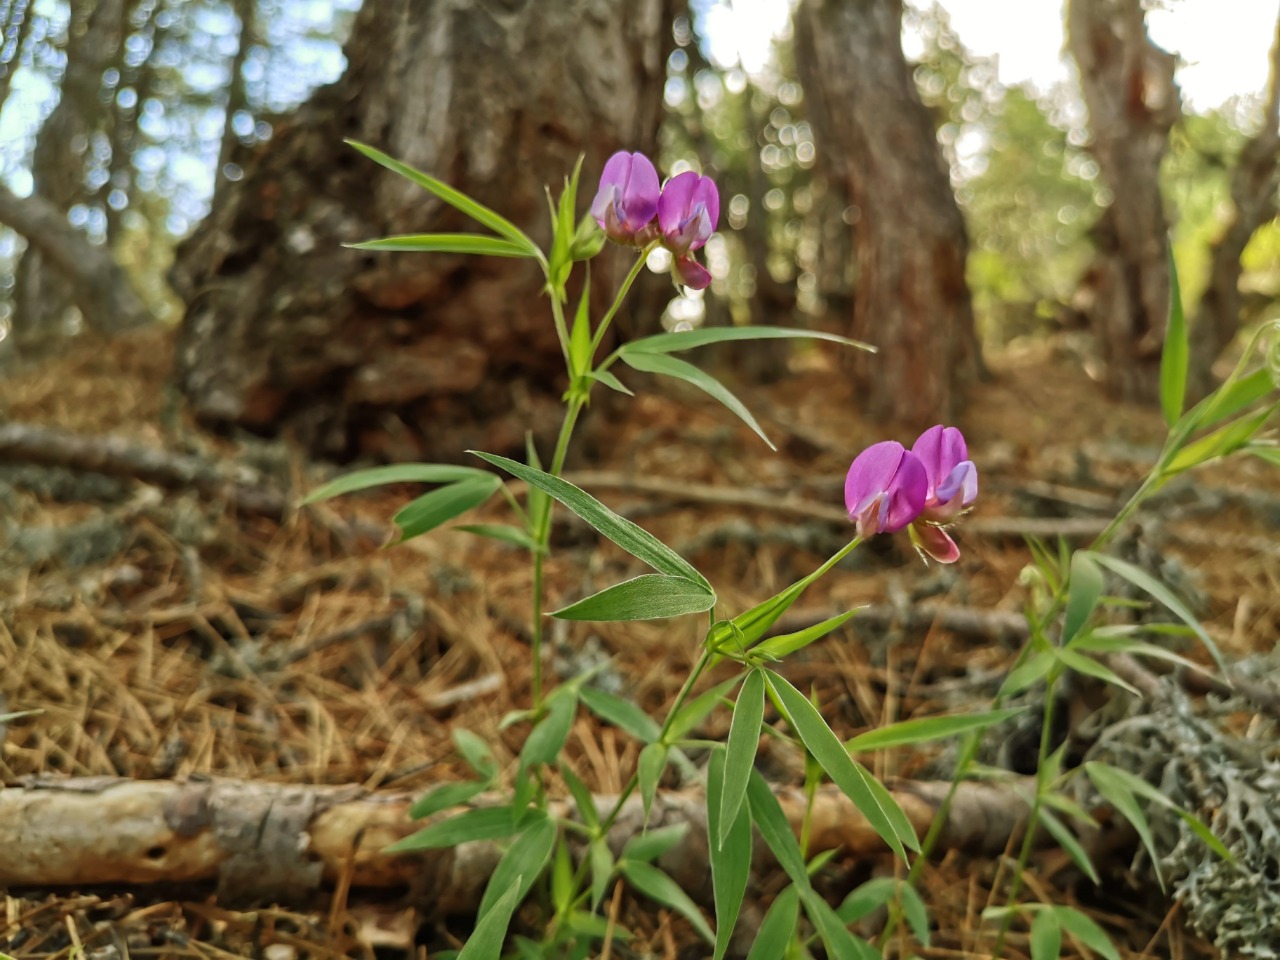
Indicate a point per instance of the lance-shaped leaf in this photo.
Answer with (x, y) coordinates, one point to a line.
(485, 942)
(1223, 442)
(650, 845)
(1046, 936)
(926, 729)
(621, 713)
(775, 648)
(487, 823)
(516, 536)
(729, 847)
(455, 198)
(440, 506)
(636, 541)
(467, 243)
(395, 473)
(877, 805)
(1144, 581)
(688, 373)
(778, 927)
(522, 864)
(740, 751)
(1082, 595)
(651, 596)
(656, 885)
(689, 339)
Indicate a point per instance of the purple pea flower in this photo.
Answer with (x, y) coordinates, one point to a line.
(952, 486)
(885, 489)
(627, 200)
(688, 212)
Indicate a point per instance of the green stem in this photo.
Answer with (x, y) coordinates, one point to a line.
(603, 326)
(542, 536)
(1033, 818)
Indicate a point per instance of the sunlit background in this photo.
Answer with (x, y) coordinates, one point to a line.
(1008, 113)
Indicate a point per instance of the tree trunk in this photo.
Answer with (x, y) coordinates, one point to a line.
(43, 298)
(1133, 102)
(403, 354)
(876, 138)
(1255, 184)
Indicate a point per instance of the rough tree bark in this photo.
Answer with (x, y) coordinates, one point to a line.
(1133, 102)
(403, 354)
(1255, 189)
(876, 138)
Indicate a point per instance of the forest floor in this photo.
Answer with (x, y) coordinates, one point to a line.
(168, 636)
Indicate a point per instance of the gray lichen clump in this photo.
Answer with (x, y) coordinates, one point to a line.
(1232, 783)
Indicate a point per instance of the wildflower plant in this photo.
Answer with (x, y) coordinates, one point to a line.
(889, 488)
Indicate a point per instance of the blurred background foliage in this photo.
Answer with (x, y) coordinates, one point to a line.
(190, 77)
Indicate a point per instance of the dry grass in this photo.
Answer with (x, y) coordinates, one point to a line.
(216, 644)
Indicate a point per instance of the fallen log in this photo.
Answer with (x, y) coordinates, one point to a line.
(260, 841)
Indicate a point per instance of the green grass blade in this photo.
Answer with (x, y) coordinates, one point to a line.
(689, 339)
(396, 473)
(440, 506)
(926, 729)
(656, 885)
(621, 713)
(680, 370)
(636, 541)
(650, 596)
(728, 845)
(455, 198)
(740, 751)
(465, 243)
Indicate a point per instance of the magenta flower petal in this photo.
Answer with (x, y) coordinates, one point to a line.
(934, 542)
(627, 200)
(691, 273)
(953, 478)
(688, 212)
(885, 488)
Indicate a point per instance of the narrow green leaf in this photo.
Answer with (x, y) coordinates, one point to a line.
(395, 473)
(914, 910)
(1093, 642)
(650, 596)
(849, 776)
(1228, 400)
(601, 858)
(504, 532)
(1092, 668)
(440, 506)
(563, 889)
(473, 749)
(775, 648)
(1068, 842)
(584, 924)
(1157, 590)
(455, 198)
(651, 844)
(580, 333)
(740, 751)
(485, 942)
(1046, 934)
(689, 716)
(688, 339)
(1086, 931)
(1117, 793)
(445, 796)
(748, 627)
(1174, 355)
(621, 713)
(1033, 669)
(767, 815)
(778, 927)
(610, 381)
(653, 759)
(1065, 805)
(729, 847)
(866, 898)
(547, 738)
(638, 542)
(841, 944)
(926, 729)
(487, 823)
(1222, 442)
(466, 243)
(656, 885)
(522, 863)
(1082, 595)
(1141, 788)
(582, 799)
(680, 370)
